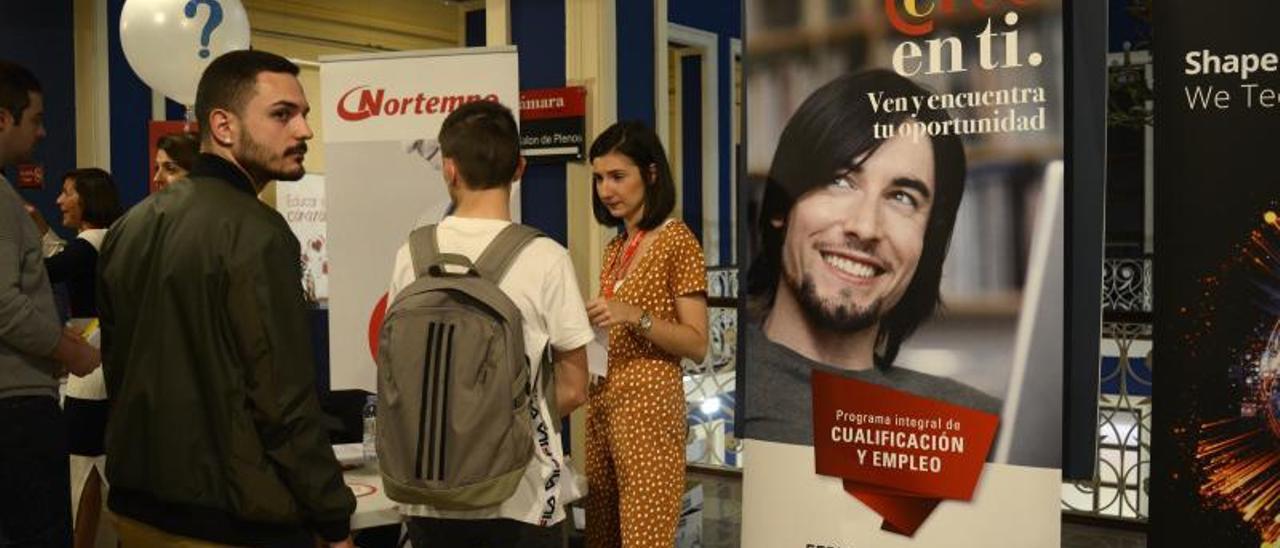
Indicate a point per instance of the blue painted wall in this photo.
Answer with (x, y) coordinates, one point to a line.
(475, 28)
(174, 110)
(724, 18)
(537, 30)
(130, 112)
(635, 61)
(39, 36)
(1124, 27)
(691, 134)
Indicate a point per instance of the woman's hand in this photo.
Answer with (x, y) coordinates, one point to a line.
(608, 313)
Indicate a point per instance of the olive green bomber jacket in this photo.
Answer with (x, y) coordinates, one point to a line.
(216, 430)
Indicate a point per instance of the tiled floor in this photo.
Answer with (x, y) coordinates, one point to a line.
(722, 509)
(1076, 535)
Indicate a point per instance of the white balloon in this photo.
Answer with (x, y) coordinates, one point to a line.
(170, 42)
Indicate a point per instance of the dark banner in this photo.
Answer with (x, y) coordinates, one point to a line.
(1216, 450)
(552, 124)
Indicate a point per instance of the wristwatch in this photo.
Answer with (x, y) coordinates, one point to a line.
(645, 323)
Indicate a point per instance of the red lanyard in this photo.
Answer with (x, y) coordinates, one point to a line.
(614, 270)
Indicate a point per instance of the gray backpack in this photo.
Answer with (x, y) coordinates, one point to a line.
(454, 426)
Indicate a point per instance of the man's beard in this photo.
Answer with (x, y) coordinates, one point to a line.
(844, 318)
(256, 159)
(23, 157)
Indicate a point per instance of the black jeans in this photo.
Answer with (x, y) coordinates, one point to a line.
(482, 533)
(35, 477)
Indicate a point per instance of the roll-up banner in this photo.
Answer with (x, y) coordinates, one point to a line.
(1216, 452)
(382, 114)
(903, 154)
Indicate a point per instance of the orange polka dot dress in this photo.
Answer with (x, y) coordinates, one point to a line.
(636, 421)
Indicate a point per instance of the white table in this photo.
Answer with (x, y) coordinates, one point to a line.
(373, 508)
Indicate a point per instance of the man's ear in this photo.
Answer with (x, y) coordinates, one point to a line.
(519, 174)
(222, 127)
(6, 119)
(449, 170)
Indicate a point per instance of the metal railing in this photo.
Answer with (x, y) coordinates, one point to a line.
(1120, 486)
(709, 386)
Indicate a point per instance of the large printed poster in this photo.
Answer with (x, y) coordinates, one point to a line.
(901, 382)
(302, 205)
(382, 113)
(1216, 447)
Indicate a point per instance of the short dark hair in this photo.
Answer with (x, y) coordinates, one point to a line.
(482, 139)
(228, 82)
(182, 148)
(636, 141)
(16, 86)
(830, 129)
(99, 200)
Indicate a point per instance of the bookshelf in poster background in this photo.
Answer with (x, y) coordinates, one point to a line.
(796, 47)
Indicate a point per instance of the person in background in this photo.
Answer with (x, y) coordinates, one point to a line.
(35, 505)
(654, 304)
(89, 203)
(216, 434)
(175, 154)
(480, 160)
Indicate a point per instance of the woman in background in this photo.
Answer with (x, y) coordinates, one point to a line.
(89, 204)
(175, 153)
(654, 304)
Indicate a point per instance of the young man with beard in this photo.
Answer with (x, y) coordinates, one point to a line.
(215, 433)
(853, 233)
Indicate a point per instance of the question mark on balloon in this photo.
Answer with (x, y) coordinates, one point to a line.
(215, 19)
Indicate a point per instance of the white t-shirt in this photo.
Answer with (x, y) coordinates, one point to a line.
(542, 284)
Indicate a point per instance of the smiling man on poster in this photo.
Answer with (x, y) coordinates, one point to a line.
(854, 230)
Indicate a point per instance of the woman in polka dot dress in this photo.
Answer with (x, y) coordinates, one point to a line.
(653, 302)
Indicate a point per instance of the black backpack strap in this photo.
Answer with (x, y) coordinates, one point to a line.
(496, 259)
(423, 249)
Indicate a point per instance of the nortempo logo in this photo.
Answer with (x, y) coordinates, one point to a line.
(374, 102)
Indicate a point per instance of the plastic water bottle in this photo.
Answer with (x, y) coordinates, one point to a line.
(370, 428)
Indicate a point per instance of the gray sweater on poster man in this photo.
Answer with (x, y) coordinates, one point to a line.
(29, 324)
(778, 404)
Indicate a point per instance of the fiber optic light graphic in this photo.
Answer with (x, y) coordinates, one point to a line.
(1238, 457)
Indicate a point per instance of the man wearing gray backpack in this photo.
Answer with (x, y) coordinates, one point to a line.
(481, 355)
